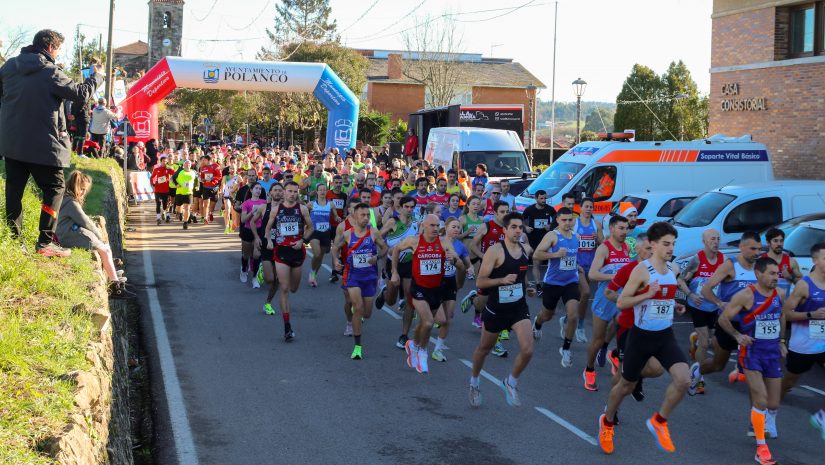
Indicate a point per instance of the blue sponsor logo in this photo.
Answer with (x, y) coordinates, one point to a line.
(211, 76)
(584, 150)
(732, 155)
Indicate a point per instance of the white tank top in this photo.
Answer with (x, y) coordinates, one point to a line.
(656, 313)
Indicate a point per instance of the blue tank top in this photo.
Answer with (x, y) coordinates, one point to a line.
(743, 277)
(587, 243)
(320, 216)
(761, 322)
(359, 251)
(808, 336)
(461, 251)
(563, 271)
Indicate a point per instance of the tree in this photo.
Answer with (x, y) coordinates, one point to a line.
(12, 41)
(87, 49)
(599, 120)
(434, 44)
(373, 127)
(639, 104)
(298, 21)
(587, 136)
(684, 115)
(398, 133)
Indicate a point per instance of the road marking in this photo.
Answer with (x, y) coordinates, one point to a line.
(812, 389)
(323, 265)
(561, 421)
(489, 377)
(181, 432)
(390, 312)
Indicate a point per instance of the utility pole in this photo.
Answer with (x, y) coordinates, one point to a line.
(109, 52)
(79, 50)
(553, 86)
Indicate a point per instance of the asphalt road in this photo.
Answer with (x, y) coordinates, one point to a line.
(228, 390)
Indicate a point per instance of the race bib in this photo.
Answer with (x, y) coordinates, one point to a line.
(208, 176)
(449, 268)
(567, 263)
(540, 224)
(511, 293)
(661, 309)
(587, 244)
(288, 228)
(430, 267)
(161, 179)
(473, 228)
(816, 329)
(767, 329)
(339, 203)
(322, 226)
(361, 260)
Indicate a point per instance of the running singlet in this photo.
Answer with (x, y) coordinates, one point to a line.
(441, 199)
(338, 201)
(656, 313)
(400, 232)
(510, 297)
(587, 243)
(420, 203)
(494, 235)
(472, 225)
(359, 251)
(461, 252)
(704, 271)
(247, 207)
(210, 176)
(785, 273)
(615, 260)
(564, 270)
(761, 322)
(428, 263)
(808, 336)
(320, 216)
(289, 226)
(743, 278)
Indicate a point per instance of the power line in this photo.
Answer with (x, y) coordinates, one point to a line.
(498, 16)
(393, 24)
(257, 17)
(192, 13)
(360, 17)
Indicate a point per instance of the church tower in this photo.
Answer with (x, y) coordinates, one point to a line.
(165, 29)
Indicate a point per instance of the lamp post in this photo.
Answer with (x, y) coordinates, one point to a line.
(531, 93)
(679, 97)
(579, 85)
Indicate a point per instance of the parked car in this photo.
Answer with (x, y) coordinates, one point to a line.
(653, 206)
(786, 226)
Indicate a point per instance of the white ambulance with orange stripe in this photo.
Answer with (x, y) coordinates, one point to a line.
(608, 170)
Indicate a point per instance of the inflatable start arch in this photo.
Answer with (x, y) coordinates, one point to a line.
(169, 73)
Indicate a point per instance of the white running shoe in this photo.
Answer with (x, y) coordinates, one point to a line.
(475, 396)
(562, 324)
(511, 394)
(244, 276)
(566, 358)
(348, 329)
(421, 366)
(536, 332)
(581, 336)
(256, 284)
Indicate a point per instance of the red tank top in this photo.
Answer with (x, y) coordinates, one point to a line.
(706, 269)
(616, 257)
(289, 226)
(428, 263)
(495, 234)
(785, 267)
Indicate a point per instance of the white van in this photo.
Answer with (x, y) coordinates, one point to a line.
(464, 148)
(609, 170)
(732, 210)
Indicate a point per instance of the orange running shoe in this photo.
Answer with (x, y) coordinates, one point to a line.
(605, 436)
(614, 362)
(736, 376)
(661, 434)
(694, 344)
(763, 455)
(590, 380)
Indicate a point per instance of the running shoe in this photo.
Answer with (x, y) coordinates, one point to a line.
(244, 276)
(348, 329)
(511, 394)
(477, 323)
(736, 376)
(605, 436)
(499, 350)
(467, 301)
(356, 353)
(638, 393)
(269, 309)
(770, 425)
(694, 344)
(614, 361)
(402, 305)
(421, 361)
(566, 358)
(562, 324)
(471, 274)
(333, 278)
(379, 299)
(259, 275)
(438, 356)
(256, 284)
(601, 357)
(818, 422)
(539, 290)
(695, 376)
(312, 281)
(763, 455)
(661, 434)
(185, 225)
(289, 335)
(402, 341)
(536, 332)
(167, 218)
(475, 396)
(589, 378)
(412, 353)
(504, 335)
(581, 336)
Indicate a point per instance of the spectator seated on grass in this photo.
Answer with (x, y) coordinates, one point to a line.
(76, 230)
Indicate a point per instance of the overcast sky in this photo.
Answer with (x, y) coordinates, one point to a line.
(598, 40)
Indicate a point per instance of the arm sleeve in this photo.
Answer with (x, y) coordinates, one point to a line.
(67, 89)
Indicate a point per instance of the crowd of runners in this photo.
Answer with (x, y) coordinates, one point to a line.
(399, 232)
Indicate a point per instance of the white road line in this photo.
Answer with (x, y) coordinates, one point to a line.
(489, 377)
(561, 421)
(812, 389)
(323, 265)
(179, 421)
(390, 312)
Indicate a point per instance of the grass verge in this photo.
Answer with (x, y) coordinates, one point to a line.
(45, 329)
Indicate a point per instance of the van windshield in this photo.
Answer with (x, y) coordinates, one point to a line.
(500, 164)
(703, 209)
(553, 179)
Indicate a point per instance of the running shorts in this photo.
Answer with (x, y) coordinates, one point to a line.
(641, 345)
(766, 360)
(430, 295)
(322, 237)
(448, 289)
(725, 340)
(404, 268)
(290, 257)
(197, 193)
(621, 342)
(209, 193)
(368, 285)
(703, 319)
(797, 363)
(182, 199)
(246, 234)
(496, 322)
(552, 293)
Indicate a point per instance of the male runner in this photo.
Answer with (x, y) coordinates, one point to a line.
(651, 291)
(590, 236)
(161, 175)
(430, 251)
(610, 256)
(805, 310)
(561, 281)
(440, 196)
(422, 198)
(363, 246)
(695, 274)
(453, 281)
(323, 215)
(185, 181)
(339, 200)
(732, 276)
(293, 226)
(539, 218)
(502, 274)
(209, 176)
(789, 272)
(762, 345)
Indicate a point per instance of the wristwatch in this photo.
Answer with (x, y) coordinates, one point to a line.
(808, 314)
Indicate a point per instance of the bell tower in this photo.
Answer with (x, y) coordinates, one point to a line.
(165, 29)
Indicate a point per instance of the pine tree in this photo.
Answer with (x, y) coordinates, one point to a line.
(645, 90)
(298, 21)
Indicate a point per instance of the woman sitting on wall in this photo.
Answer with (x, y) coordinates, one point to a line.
(76, 230)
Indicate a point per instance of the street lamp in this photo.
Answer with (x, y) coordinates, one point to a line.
(681, 96)
(531, 92)
(578, 88)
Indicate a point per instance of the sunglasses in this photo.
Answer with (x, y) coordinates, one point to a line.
(495, 193)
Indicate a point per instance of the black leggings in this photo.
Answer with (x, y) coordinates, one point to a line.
(161, 198)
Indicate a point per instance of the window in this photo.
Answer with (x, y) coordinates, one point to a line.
(599, 183)
(806, 31)
(755, 215)
(703, 209)
(167, 20)
(638, 202)
(673, 206)
(553, 179)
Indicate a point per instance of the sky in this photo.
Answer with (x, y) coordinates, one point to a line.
(597, 40)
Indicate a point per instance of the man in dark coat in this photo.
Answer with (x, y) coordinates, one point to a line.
(33, 132)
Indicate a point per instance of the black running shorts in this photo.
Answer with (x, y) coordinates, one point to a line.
(497, 321)
(725, 340)
(290, 257)
(703, 319)
(797, 363)
(430, 295)
(642, 345)
(551, 294)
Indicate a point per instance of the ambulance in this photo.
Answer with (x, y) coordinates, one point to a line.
(609, 169)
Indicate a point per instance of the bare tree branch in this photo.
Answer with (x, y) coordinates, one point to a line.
(434, 46)
(12, 40)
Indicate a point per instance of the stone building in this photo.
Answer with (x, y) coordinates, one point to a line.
(165, 29)
(133, 58)
(768, 79)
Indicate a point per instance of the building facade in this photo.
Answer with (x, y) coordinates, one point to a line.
(165, 29)
(768, 80)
